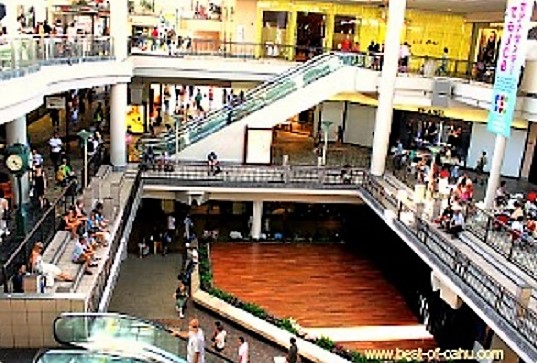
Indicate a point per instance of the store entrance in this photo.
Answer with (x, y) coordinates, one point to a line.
(310, 35)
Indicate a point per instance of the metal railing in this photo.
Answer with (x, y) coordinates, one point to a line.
(208, 47)
(94, 163)
(518, 248)
(44, 231)
(270, 176)
(24, 55)
(490, 291)
(422, 65)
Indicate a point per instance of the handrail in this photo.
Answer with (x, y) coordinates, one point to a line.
(54, 355)
(256, 99)
(504, 303)
(119, 316)
(30, 238)
(487, 228)
(22, 55)
(496, 234)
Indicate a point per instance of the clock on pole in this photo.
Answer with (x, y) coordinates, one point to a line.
(17, 161)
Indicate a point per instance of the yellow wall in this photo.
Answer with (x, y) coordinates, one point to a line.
(446, 30)
(245, 18)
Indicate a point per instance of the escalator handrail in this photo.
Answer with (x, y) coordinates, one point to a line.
(250, 96)
(262, 87)
(37, 358)
(154, 324)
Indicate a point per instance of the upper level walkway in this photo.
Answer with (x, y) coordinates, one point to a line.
(54, 65)
(503, 297)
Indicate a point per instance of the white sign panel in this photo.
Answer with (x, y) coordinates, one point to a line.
(54, 102)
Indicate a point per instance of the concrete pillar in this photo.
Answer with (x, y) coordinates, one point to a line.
(40, 10)
(10, 20)
(118, 126)
(383, 120)
(119, 31)
(495, 170)
(257, 220)
(16, 134)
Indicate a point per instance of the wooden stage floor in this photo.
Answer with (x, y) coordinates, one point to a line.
(321, 286)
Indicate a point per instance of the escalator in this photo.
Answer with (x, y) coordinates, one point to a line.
(290, 83)
(124, 336)
(84, 356)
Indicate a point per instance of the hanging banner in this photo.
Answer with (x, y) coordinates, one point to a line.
(511, 57)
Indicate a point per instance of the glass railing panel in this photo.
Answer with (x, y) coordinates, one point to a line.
(79, 330)
(261, 96)
(109, 331)
(19, 56)
(82, 356)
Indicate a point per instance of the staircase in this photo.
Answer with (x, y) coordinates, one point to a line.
(302, 86)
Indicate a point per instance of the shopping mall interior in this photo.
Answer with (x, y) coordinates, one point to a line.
(264, 181)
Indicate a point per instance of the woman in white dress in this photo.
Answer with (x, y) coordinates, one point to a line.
(48, 269)
(4, 210)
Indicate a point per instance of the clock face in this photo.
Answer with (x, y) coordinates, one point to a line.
(14, 163)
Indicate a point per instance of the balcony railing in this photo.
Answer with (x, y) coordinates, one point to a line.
(419, 65)
(492, 293)
(518, 248)
(21, 56)
(468, 275)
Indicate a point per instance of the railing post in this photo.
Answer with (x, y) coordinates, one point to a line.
(488, 226)
(511, 250)
(4, 278)
(499, 298)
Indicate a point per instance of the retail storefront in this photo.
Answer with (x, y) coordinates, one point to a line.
(87, 19)
(464, 127)
(327, 25)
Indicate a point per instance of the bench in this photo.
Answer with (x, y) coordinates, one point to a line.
(56, 247)
(51, 255)
(76, 270)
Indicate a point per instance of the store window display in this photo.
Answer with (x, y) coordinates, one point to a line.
(274, 33)
(346, 29)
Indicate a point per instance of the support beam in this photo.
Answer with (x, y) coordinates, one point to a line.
(383, 121)
(118, 126)
(495, 170)
(257, 220)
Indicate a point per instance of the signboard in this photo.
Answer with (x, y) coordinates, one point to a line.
(511, 57)
(55, 102)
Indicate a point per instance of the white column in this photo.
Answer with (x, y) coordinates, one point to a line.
(119, 30)
(40, 9)
(173, 99)
(383, 120)
(118, 126)
(257, 219)
(16, 134)
(495, 170)
(10, 20)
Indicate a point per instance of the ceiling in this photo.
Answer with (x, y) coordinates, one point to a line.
(458, 6)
